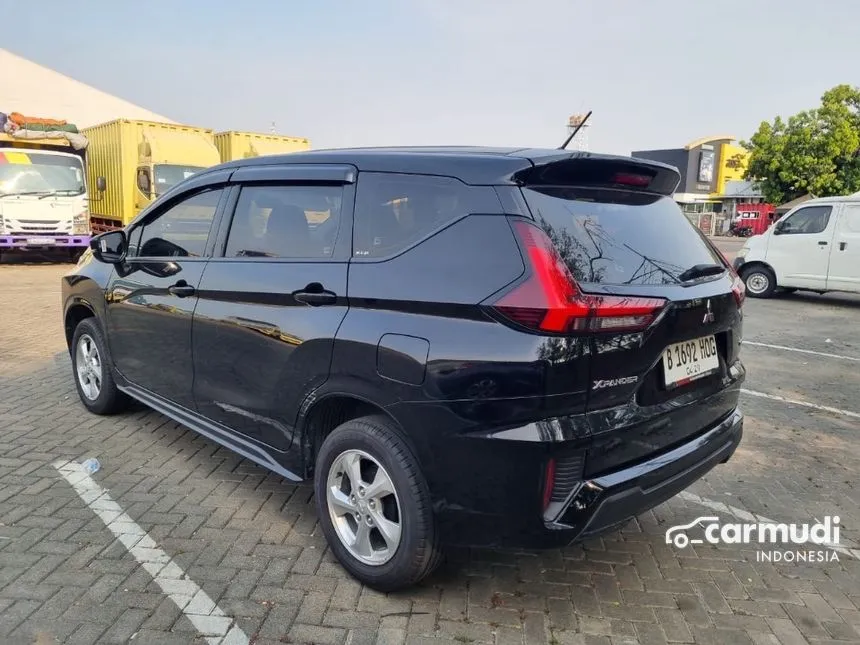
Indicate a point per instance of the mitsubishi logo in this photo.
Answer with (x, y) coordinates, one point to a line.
(709, 315)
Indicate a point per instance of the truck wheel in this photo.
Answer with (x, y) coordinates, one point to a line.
(760, 281)
(93, 371)
(374, 505)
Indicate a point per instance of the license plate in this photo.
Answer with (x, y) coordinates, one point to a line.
(690, 360)
(41, 241)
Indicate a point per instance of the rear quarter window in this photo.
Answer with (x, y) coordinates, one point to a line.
(617, 237)
(394, 211)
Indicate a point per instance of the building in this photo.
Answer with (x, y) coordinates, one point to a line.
(31, 89)
(707, 167)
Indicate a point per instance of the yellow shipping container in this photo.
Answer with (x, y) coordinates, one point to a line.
(139, 161)
(234, 145)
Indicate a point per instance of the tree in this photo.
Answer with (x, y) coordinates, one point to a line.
(815, 151)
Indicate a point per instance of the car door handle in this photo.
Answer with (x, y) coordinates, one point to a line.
(822, 243)
(842, 245)
(181, 289)
(315, 295)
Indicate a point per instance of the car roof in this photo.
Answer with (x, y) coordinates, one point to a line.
(854, 197)
(472, 164)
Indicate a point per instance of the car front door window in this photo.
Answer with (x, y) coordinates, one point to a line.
(180, 231)
(807, 221)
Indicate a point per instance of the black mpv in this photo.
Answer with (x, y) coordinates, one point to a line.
(491, 347)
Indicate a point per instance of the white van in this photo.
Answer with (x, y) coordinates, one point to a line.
(815, 246)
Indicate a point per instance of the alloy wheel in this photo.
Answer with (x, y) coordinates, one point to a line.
(89, 367)
(364, 508)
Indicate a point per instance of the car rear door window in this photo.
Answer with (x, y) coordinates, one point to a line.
(618, 237)
(180, 231)
(394, 211)
(299, 222)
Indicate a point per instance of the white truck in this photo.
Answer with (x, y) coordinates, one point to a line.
(43, 187)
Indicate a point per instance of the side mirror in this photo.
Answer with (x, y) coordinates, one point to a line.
(778, 227)
(110, 247)
(144, 184)
(101, 184)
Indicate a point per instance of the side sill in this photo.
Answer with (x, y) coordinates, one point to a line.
(216, 432)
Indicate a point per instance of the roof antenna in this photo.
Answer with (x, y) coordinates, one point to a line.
(577, 129)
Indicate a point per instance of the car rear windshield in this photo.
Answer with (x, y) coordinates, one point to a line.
(617, 237)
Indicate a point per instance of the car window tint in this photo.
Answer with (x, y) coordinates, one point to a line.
(181, 230)
(616, 237)
(393, 211)
(807, 221)
(285, 222)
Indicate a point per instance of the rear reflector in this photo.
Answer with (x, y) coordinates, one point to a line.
(550, 300)
(549, 482)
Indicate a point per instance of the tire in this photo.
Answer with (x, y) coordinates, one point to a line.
(94, 381)
(360, 446)
(760, 281)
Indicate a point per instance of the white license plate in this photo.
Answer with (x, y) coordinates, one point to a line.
(41, 241)
(692, 359)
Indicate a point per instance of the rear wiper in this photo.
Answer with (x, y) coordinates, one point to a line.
(701, 271)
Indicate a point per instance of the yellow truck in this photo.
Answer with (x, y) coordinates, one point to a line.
(234, 145)
(130, 163)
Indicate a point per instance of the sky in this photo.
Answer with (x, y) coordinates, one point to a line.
(656, 73)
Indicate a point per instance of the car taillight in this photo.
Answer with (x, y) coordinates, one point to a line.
(550, 300)
(631, 179)
(739, 290)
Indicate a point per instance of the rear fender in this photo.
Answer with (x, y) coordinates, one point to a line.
(349, 387)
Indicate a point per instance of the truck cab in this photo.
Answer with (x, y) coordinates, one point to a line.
(141, 160)
(43, 196)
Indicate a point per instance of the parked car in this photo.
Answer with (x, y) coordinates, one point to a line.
(474, 346)
(815, 246)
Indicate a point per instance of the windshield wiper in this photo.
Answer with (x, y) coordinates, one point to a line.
(701, 271)
(26, 192)
(49, 194)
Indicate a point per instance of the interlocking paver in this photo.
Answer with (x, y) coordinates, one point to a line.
(251, 541)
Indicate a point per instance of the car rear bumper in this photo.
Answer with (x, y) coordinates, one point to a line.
(602, 503)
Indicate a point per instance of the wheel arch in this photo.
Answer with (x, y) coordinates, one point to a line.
(77, 311)
(323, 412)
(755, 264)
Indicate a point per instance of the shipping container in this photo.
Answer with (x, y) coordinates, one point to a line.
(139, 161)
(234, 145)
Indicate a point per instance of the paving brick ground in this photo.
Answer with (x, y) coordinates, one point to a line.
(251, 540)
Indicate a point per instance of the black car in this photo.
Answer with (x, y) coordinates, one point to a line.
(479, 346)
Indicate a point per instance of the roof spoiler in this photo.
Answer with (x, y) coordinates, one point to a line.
(596, 171)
